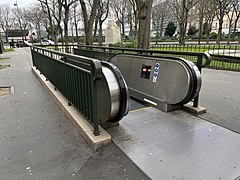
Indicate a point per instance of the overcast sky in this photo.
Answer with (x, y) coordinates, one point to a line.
(21, 3)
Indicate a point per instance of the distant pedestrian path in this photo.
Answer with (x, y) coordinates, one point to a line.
(228, 52)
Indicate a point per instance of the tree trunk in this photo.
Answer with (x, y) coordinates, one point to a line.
(208, 38)
(161, 28)
(96, 27)
(200, 28)
(76, 28)
(123, 27)
(100, 34)
(229, 29)
(7, 39)
(229, 33)
(182, 34)
(130, 20)
(38, 28)
(135, 25)
(123, 30)
(88, 20)
(66, 29)
(235, 25)
(219, 36)
(144, 12)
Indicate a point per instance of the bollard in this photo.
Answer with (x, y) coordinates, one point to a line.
(1, 47)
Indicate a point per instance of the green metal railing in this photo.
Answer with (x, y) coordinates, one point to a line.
(224, 57)
(103, 56)
(201, 59)
(75, 77)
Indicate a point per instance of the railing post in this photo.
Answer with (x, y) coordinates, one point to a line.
(95, 108)
(199, 65)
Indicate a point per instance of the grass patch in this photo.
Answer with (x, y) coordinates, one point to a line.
(4, 58)
(8, 50)
(195, 48)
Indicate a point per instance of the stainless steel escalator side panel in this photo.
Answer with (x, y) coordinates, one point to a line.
(175, 82)
(112, 95)
(123, 96)
(198, 80)
(114, 91)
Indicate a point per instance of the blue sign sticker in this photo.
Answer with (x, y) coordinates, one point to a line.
(156, 70)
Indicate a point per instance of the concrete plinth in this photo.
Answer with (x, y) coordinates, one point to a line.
(194, 110)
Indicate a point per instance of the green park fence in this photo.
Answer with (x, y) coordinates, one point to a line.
(224, 57)
(75, 77)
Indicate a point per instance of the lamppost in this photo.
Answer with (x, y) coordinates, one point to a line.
(19, 19)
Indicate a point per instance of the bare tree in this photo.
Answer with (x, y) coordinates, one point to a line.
(102, 14)
(76, 17)
(159, 13)
(201, 14)
(236, 10)
(134, 21)
(230, 16)
(222, 8)
(209, 16)
(57, 13)
(48, 7)
(7, 19)
(144, 17)
(88, 19)
(181, 9)
(21, 19)
(120, 8)
(36, 17)
(66, 5)
(130, 21)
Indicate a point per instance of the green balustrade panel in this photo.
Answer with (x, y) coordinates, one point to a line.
(103, 56)
(75, 77)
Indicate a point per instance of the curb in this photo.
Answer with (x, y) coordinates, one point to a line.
(83, 127)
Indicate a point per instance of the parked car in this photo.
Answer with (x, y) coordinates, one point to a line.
(46, 42)
(20, 43)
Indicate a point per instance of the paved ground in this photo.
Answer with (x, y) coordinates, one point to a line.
(38, 142)
(220, 95)
(177, 145)
(226, 52)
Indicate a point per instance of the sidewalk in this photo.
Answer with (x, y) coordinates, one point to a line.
(38, 142)
(220, 95)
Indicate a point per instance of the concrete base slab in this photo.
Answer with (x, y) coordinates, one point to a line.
(194, 110)
(83, 127)
(178, 145)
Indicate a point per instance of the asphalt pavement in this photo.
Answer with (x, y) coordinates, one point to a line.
(38, 142)
(220, 96)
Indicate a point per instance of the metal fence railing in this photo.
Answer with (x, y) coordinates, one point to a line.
(75, 77)
(224, 57)
(223, 49)
(201, 59)
(60, 47)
